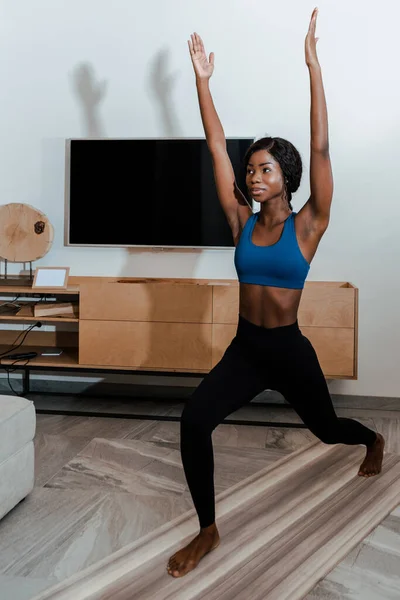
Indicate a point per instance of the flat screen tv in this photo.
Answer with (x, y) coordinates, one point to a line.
(146, 192)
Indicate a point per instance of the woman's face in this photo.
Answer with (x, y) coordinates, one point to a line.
(264, 178)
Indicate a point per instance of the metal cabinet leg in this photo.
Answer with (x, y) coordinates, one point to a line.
(25, 384)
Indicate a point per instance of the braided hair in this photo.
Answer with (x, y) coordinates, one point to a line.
(288, 158)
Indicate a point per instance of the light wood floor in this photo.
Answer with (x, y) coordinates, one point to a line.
(102, 483)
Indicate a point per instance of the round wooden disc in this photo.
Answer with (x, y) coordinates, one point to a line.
(25, 233)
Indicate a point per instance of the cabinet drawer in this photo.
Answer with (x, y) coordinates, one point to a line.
(334, 347)
(320, 306)
(148, 345)
(222, 335)
(114, 301)
(327, 307)
(225, 304)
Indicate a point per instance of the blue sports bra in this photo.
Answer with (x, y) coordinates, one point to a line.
(280, 265)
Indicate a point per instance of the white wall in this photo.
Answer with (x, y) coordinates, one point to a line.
(260, 86)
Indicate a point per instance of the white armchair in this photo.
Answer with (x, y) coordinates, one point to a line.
(17, 430)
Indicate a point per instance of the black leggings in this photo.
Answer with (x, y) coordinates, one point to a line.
(257, 359)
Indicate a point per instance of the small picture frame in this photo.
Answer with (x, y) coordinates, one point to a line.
(50, 278)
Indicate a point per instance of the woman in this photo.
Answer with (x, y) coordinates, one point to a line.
(274, 248)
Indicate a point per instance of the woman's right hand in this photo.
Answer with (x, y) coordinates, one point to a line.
(203, 66)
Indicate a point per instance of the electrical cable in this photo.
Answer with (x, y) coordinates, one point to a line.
(11, 370)
(14, 346)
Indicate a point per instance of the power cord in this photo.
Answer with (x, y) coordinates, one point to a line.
(11, 302)
(14, 346)
(11, 370)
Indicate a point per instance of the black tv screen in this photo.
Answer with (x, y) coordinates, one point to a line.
(147, 192)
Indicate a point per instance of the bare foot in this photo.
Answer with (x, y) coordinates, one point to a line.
(372, 464)
(189, 557)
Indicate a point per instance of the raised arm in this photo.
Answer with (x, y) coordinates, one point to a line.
(233, 202)
(321, 181)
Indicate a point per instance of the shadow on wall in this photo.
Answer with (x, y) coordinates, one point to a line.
(158, 337)
(90, 94)
(161, 84)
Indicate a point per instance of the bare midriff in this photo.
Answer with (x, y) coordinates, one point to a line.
(268, 306)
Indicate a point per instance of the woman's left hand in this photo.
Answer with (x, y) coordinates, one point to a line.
(311, 41)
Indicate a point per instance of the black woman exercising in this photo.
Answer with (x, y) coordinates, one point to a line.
(274, 249)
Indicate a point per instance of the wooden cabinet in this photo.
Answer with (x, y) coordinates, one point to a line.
(327, 317)
(146, 345)
(148, 302)
(178, 325)
(184, 326)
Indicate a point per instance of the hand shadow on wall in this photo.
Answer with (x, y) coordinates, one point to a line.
(181, 262)
(90, 94)
(161, 83)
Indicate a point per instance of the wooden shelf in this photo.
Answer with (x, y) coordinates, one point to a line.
(17, 319)
(68, 358)
(14, 318)
(70, 291)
